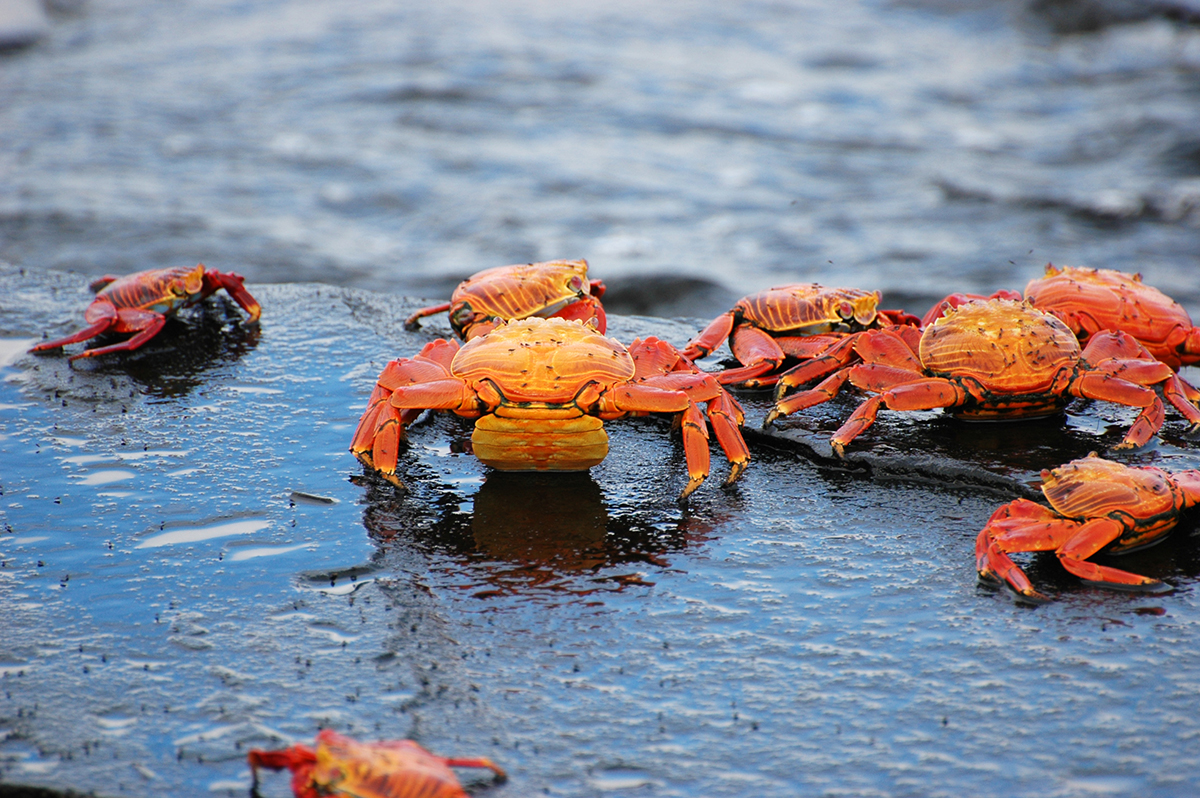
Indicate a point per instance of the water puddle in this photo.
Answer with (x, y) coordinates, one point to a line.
(13, 348)
(199, 534)
(105, 477)
(265, 551)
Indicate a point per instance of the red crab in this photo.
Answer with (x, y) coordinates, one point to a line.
(999, 359)
(340, 767)
(140, 303)
(1092, 300)
(1095, 505)
(555, 288)
(540, 390)
(808, 322)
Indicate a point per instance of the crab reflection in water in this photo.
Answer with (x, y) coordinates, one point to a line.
(532, 533)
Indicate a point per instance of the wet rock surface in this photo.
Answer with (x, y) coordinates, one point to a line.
(192, 564)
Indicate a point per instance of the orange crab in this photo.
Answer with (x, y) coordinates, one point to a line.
(140, 303)
(340, 767)
(540, 390)
(1000, 359)
(1091, 300)
(808, 322)
(558, 288)
(1095, 505)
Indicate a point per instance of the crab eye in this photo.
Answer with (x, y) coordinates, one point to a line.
(461, 315)
(845, 310)
(575, 283)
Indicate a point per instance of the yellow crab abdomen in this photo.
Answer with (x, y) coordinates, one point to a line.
(539, 440)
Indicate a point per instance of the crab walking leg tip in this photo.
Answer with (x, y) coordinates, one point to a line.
(736, 469)
(690, 488)
(1148, 585)
(1031, 597)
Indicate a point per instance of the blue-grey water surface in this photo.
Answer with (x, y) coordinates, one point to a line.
(912, 147)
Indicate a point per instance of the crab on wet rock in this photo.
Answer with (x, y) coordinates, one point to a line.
(1096, 505)
(341, 767)
(1092, 300)
(1000, 359)
(540, 390)
(140, 303)
(811, 323)
(558, 288)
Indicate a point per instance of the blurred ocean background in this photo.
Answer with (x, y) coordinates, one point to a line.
(690, 151)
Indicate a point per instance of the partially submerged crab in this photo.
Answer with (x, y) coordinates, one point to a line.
(340, 767)
(807, 322)
(1096, 506)
(999, 359)
(558, 288)
(139, 303)
(540, 390)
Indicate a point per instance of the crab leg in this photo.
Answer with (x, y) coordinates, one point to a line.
(1117, 352)
(710, 337)
(822, 392)
(759, 352)
(476, 762)
(300, 759)
(659, 365)
(147, 323)
(377, 437)
(1020, 525)
(924, 394)
(834, 355)
(102, 315)
(1091, 537)
(234, 285)
(724, 416)
(695, 448)
(413, 322)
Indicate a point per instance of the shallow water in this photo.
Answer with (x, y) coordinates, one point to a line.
(814, 630)
(914, 147)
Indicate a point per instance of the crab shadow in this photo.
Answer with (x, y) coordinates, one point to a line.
(169, 366)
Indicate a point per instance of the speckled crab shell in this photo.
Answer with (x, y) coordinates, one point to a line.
(1009, 347)
(1093, 487)
(1106, 299)
(545, 361)
(808, 307)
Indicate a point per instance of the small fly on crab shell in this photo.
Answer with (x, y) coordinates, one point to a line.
(140, 303)
(557, 288)
(807, 322)
(540, 390)
(999, 359)
(1096, 505)
(340, 767)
